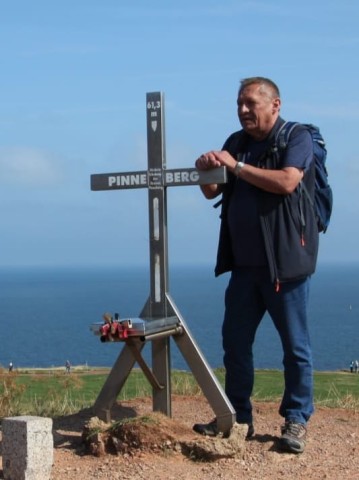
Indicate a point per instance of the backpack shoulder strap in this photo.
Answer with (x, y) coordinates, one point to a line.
(283, 134)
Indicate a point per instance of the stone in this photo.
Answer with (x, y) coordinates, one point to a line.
(27, 448)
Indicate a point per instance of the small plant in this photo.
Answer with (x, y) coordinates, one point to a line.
(54, 405)
(59, 399)
(185, 384)
(337, 399)
(10, 396)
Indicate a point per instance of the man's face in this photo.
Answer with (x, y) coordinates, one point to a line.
(257, 110)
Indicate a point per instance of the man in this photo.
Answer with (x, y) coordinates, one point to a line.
(269, 242)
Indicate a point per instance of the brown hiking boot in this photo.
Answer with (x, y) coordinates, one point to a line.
(293, 437)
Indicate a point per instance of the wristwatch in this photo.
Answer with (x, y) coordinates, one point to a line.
(238, 168)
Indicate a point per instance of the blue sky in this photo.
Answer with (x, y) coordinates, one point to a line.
(73, 83)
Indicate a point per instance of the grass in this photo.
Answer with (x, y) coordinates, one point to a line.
(331, 389)
(54, 393)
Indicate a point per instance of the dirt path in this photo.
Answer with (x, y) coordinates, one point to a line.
(332, 452)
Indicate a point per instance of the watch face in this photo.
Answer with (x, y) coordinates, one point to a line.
(238, 167)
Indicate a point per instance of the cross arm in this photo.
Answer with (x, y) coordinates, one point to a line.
(164, 178)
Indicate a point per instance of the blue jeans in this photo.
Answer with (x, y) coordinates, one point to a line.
(250, 293)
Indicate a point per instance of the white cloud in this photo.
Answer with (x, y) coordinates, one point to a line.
(28, 167)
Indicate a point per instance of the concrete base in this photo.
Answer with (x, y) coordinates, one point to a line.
(27, 448)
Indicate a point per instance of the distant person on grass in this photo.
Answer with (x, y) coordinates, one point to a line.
(271, 253)
(68, 366)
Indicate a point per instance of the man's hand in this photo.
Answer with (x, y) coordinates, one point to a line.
(215, 159)
(207, 161)
(225, 159)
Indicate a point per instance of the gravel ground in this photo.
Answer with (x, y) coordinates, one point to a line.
(332, 451)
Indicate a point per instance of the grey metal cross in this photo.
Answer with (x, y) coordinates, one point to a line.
(160, 319)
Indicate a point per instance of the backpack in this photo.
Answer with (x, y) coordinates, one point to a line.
(323, 194)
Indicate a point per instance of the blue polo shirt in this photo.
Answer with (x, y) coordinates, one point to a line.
(243, 216)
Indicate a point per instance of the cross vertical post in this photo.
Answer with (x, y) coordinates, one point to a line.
(157, 203)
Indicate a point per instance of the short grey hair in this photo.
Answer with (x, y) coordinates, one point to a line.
(264, 82)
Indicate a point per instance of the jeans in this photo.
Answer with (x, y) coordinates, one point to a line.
(250, 293)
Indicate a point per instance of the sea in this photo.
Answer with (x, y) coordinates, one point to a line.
(46, 314)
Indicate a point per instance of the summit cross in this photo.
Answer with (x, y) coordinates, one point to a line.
(161, 317)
